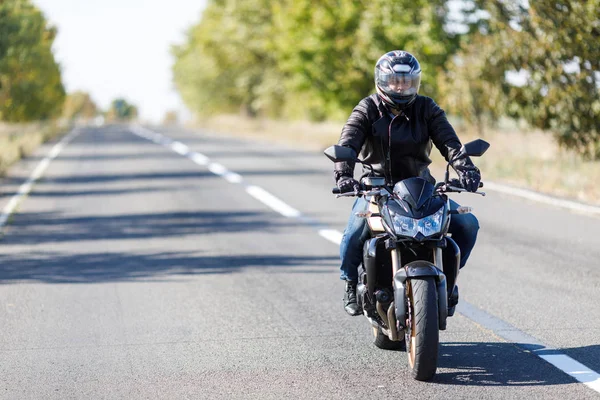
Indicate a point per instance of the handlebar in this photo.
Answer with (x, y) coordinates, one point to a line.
(456, 183)
(453, 186)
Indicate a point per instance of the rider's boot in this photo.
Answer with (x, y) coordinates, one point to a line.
(350, 304)
(453, 301)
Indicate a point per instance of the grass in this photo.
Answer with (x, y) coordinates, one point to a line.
(20, 140)
(517, 157)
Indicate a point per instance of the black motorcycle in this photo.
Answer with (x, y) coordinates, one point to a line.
(407, 281)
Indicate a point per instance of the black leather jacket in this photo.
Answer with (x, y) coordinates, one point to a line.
(371, 130)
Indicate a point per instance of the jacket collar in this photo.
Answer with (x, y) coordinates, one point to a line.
(383, 111)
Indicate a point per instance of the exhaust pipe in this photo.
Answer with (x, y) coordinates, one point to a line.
(382, 314)
(389, 319)
(392, 318)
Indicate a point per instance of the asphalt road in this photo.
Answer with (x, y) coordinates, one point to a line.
(132, 272)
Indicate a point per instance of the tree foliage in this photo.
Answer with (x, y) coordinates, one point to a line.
(121, 110)
(299, 59)
(30, 81)
(554, 46)
(79, 105)
(228, 63)
(559, 51)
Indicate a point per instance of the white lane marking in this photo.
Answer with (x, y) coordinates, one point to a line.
(223, 172)
(232, 177)
(257, 192)
(273, 202)
(41, 167)
(217, 169)
(180, 148)
(198, 158)
(527, 342)
(39, 170)
(332, 235)
(56, 150)
(541, 198)
(165, 141)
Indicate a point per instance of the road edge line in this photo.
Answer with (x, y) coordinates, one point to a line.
(542, 198)
(37, 173)
(524, 341)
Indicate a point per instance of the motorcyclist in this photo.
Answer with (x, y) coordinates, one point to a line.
(393, 130)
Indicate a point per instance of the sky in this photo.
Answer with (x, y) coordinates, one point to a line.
(121, 48)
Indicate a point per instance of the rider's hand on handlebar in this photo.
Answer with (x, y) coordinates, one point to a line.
(469, 177)
(348, 184)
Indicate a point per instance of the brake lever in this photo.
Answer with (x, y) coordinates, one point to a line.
(359, 193)
(460, 190)
(347, 194)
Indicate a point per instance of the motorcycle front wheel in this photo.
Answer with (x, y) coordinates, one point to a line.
(422, 333)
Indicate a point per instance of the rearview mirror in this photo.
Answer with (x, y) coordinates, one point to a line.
(476, 148)
(340, 153)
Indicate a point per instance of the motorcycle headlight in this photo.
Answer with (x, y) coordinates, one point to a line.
(428, 226)
(405, 226)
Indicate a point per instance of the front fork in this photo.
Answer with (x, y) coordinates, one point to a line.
(418, 269)
(415, 269)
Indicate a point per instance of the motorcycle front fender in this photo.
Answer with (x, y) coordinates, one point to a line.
(420, 269)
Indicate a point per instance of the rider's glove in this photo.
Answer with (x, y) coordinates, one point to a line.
(469, 176)
(348, 184)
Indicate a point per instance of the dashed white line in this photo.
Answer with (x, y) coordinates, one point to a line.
(198, 158)
(180, 148)
(273, 202)
(217, 169)
(232, 177)
(332, 235)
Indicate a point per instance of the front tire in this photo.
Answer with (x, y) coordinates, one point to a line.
(422, 334)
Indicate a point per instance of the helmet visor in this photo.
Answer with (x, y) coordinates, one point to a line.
(398, 83)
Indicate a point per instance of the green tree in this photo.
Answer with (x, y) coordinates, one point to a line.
(301, 58)
(121, 110)
(555, 47)
(227, 63)
(329, 49)
(472, 86)
(30, 80)
(79, 105)
(561, 55)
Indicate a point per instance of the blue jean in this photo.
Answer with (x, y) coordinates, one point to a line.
(463, 227)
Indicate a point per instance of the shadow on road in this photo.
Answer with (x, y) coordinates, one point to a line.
(95, 192)
(47, 265)
(36, 228)
(111, 267)
(504, 364)
(587, 355)
(154, 176)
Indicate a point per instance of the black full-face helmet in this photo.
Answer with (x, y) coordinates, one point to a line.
(397, 79)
